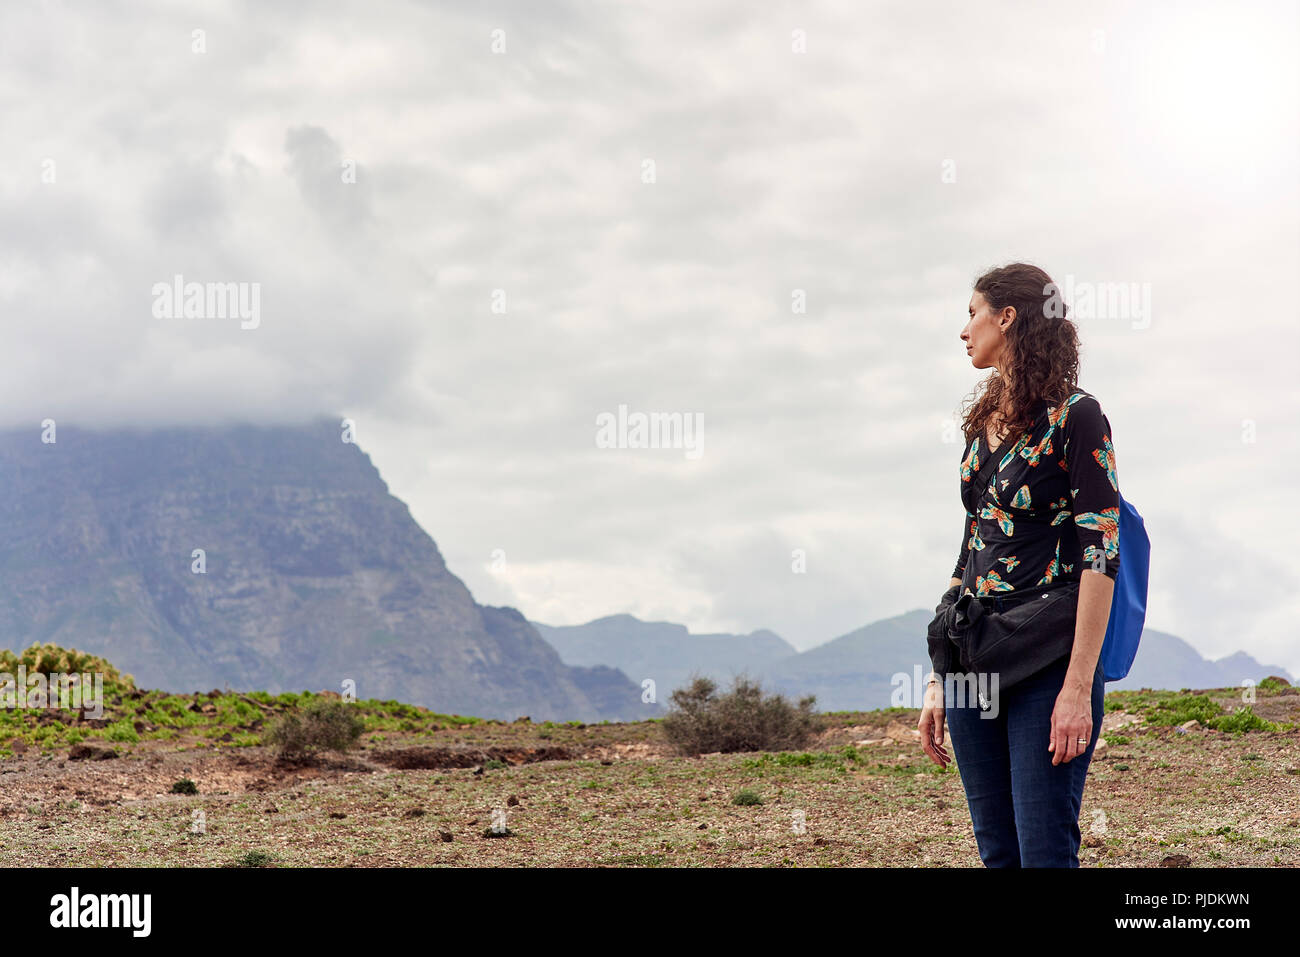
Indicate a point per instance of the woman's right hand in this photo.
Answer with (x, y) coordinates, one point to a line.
(931, 725)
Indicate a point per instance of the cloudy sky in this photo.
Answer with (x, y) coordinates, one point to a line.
(474, 228)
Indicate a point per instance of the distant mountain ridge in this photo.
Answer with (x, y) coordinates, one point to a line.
(313, 574)
(854, 671)
(662, 651)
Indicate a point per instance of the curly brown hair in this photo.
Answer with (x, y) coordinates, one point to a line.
(1042, 350)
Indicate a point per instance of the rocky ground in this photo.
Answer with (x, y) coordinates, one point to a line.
(425, 790)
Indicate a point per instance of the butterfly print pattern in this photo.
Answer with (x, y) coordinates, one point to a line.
(1049, 523)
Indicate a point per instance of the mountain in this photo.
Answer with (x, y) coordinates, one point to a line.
(1166, 661)
(311, 574)
(855, 671)
(663, 651)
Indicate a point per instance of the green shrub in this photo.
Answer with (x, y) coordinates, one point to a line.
(185, 786)
(122, 730)
(50, 658)
(1180, 708)
(746, 798)
(323, 724)
(743, 719)
(1243, 719)
(254, 859)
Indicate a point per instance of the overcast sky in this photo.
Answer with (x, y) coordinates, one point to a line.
(474, 228)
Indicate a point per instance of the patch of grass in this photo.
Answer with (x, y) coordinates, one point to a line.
(1184, 707)
(1242, 720)
(638, 860)
(1170, 708)
(122, 731)
(185, 786)
(255, 859)
(233, 711)
(174, 711)
(801, 759)
(747, 798)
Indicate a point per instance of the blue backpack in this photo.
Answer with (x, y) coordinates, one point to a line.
(1128, 605)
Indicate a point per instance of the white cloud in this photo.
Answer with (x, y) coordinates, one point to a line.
(1167, 157)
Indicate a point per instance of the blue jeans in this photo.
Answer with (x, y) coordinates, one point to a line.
(1024, 809)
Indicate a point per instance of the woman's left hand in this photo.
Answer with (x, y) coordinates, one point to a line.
(1071, 720)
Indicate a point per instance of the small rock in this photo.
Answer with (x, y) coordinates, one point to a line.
(446, 836)
(866, 742)
(899, 731)
(512, 801)
(90, 752)
(415, 812)
(337, 815)
(821, 842)
(1176, 860)
(1118, 719)
(1189, 726)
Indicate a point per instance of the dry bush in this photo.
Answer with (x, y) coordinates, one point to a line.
(742, 719)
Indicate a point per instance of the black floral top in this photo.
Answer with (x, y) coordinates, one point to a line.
(1038, 509)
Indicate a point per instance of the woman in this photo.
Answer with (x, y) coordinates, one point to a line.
(1042, 512)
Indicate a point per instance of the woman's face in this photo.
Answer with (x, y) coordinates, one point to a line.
(983, 334)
